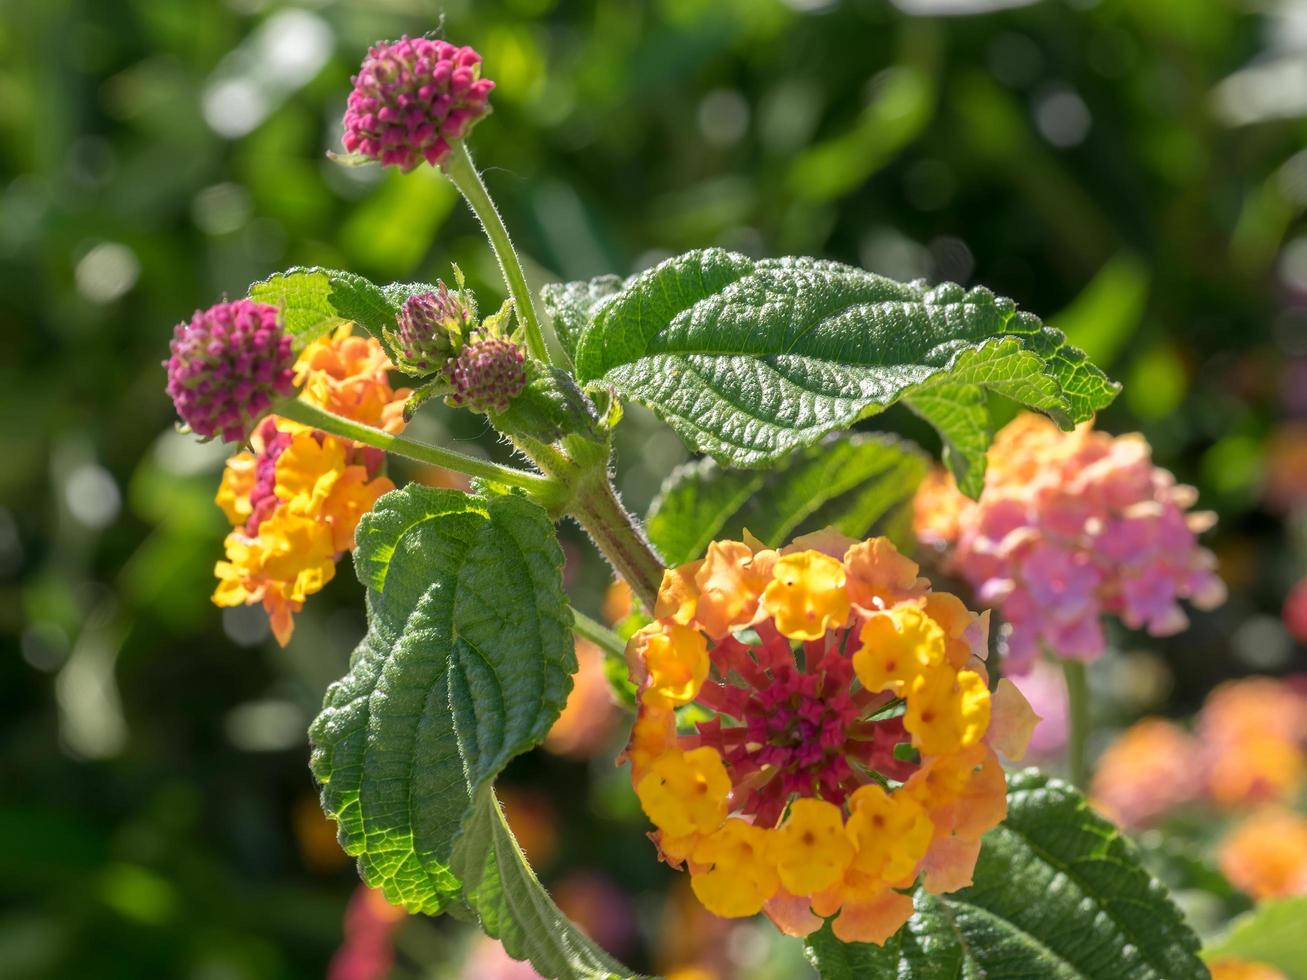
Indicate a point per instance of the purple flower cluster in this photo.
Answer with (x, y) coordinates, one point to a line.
(227, 367)
(430, 329)
(487, 375)
(414, 98)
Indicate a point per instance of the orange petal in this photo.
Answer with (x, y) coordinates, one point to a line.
(791, 914)
(1011, 721)
(873, 921)
(949, 864)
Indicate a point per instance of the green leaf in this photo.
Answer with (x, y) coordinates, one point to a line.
(466, 663)
(849, 482)
(1058, 893)
(571, 305)
(1271, 933)
(748, 360)
(515, 909)
(960, 414)
(315, 300)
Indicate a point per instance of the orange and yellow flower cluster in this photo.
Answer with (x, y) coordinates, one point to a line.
(1266, 854)
(295, 498)
(844, 733)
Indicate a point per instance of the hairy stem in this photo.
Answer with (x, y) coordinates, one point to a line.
(301, 411)
(460, 169)
(1077, 693)
(616, 534)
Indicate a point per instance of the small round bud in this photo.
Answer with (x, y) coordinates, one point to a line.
(429, 330)
(487, 375)
(412, 99)
(227, 367)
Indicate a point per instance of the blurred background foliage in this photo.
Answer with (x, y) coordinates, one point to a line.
(1133, 170)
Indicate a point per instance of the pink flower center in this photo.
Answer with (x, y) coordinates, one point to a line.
(786, 728)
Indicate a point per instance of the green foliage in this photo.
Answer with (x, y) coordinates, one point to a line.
(466, 663)
(515, 909)
(850, 482)
(749, 360)
(572, 306)
(1273, 933)
(1057, 892)
(314, 300)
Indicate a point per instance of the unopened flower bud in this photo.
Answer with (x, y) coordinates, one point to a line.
(486, 375)
(429, 330)
(227, 367)
(412, 99)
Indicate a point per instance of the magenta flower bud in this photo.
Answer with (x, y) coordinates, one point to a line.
(227, 367)
(430, 330)
(412, 100)
(486, 375)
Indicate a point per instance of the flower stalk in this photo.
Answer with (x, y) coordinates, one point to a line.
(462, 172)
(1077, 694)
(617, 536)
(542, 487)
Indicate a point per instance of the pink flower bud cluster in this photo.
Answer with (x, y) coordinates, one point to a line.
(412, 99)
(227, 367)
(1071, 526)
(487, 375)
(430, 328)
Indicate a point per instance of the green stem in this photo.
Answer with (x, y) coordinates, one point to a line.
(598, 634)
(615, 533)
(460, 169)
(1077, 693)
(301, 411)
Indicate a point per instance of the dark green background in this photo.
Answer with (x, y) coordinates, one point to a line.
(1114, 166)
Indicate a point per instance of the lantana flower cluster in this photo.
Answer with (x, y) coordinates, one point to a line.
(843, 734)
(1071, 526)
(1248, 746)
(296, 496)
(413, 99)
(1246, 754)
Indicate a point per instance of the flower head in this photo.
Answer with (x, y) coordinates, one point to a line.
(1147, 772)
(1071, 526)
(1266, 855)
(840, 743)
(430, 328)
(350, 376)
(1249, 747)
(295, 500)
(487, 375)
(1254, 737)
(227, 367)
(412, 99)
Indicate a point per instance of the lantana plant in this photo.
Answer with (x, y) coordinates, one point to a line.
(819, 734)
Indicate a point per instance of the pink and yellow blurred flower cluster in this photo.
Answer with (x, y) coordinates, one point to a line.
(1071, 526)
(1248, 746)
(294, 498)
(1246, 754)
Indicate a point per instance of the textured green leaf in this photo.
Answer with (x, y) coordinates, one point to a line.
(1274, 933)
(314, 300)
(515, 909)
(466, 663)
(748, 360)
(1058, 893)
(572, 305)
(849, 482)
(960, 414)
